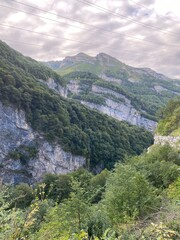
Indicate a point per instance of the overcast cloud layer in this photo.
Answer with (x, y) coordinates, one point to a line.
(141, 33)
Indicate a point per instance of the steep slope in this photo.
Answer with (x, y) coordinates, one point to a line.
(168, 129)
(123, 92)
(82, 62)
(170, 122)
(42, 131)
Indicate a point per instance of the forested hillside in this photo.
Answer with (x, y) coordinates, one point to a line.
(146, 90)
(170, 122)
(137, 200)
(137, 197)
(102, 140)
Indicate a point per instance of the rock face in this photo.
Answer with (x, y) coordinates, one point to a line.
(121, 110)
(15, 134)
(172, 141)
(146, 90)
(52, 84)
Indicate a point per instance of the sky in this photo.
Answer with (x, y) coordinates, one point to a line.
(140, 33)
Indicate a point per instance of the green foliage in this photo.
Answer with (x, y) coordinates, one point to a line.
(24, 153)
(170, 122)
(100, 179)
(110, 205)
(98, 182)
(130, 208)
(57, 187)
(21, 196)
(90, 97)
(128, 194)
(79, 130)
(68, 218)
(81, 76)
(173, 190)
(160, 165)
(76, 207)
(98, 221)
(29, 65)
(147, 90)
(17, 223)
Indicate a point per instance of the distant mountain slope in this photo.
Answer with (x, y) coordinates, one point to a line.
(101, 140)
(170, 122)
(168, 129)
(27, 64)
(123, 92)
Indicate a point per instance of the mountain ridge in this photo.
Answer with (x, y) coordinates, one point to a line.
(145, 91)
(59, 127)
(100, 56)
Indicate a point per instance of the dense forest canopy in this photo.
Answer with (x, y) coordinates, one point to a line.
(102, 140)
(147, 90)
(143, 94)
(137, 200)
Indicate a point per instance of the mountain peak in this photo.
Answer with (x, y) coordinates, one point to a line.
(104, 58)
(81, 54)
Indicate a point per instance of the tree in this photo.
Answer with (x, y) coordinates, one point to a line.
(67, 219)
(128, 194)
(160, 165)
(57, 187)
(22, 196)
(75, 209)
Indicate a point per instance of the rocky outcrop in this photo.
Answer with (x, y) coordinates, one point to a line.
(172, 141)
(120, 110)
(98, 89)
(123, 112)
(50, 158)
(110, 79)
(73, 86)
(54, 85)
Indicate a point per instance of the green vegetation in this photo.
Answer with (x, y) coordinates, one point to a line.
(147, 90)
(170, 122)
(128, 195)
(88, 76)
(102, 140)
(90, 97)
(24, 153)
(83, 67)
(132, 205)
(138, 199)
(141, 93)
(32, 67)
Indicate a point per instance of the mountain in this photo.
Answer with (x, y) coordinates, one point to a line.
(126, 93)
(41, 131)
(82, 62)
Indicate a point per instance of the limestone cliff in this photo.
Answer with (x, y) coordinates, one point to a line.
(121, 109)
(147, 90)
(17, 134)
(123, 112)
(171, 140)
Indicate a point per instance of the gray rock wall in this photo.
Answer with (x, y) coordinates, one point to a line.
(123, 112)
(120, 111)
(172, 141)
(50, 158)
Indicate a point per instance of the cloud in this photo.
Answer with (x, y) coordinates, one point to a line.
(94, 31)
